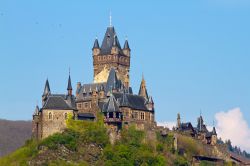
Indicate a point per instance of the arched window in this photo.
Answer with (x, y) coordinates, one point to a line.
(50, 115)
(65, 116)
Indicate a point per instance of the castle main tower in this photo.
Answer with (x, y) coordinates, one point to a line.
(111, 55)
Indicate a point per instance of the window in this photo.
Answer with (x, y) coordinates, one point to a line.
(50, 115)
(86, 105)
(65, 116)
(142, 115)
(79, 105)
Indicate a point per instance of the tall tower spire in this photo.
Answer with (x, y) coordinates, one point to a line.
(143, 90)
(69, 88)
(110, 19)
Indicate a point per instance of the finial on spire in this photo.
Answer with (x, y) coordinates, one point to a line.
(69, 70)
(110, 18)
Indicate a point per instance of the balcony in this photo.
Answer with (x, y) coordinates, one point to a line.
(112, 120)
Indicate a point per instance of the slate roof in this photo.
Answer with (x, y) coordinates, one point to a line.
(60, 102)
(111, 105)
(208, 158)
(133, 101)
(201, 127)
(124, 100)
(239, 158)
(85, 91)
(85, 115)
(109, 40)
(209, 134)
(186, 127)
(113, 82)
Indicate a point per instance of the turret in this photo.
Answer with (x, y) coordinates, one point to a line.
(96, 49)
(46, 92)
(200, 123)
(126, 50)
(36, 112)
(69, 88)
(214, 131)
(214, 137)
(143, 90)
(150, 103)
(178, 121)
(115, 48)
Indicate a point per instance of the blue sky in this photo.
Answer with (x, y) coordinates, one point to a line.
(194, 54)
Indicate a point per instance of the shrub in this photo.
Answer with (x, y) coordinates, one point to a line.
(68, 138)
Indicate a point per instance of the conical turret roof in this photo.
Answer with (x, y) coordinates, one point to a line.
(126, 45)
(46, 88)
(111, 105)
(96, 44)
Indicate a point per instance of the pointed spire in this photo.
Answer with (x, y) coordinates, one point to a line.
(126, 45)
(143, 90)
(69, 83)
(96, 44)
(69, 88)
(214, 131)
(46, 88)
(112, 82)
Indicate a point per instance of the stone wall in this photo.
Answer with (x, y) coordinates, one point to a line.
(54, 121)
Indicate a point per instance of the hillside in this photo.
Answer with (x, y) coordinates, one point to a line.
(87, 143)
(13, 135)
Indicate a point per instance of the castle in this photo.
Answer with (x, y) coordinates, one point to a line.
(110, 94)
(200, 132)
